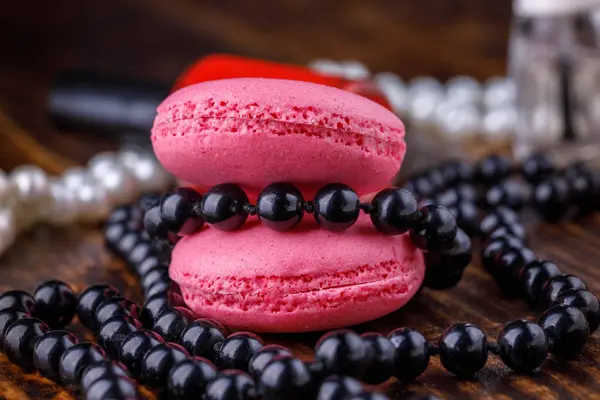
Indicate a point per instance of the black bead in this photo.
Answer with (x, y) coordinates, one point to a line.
(455, 172)
(265, 355)
(506, 268)
(339, 388)
(492, 169)
(558, 284)
(436, 178)
(236, 351)
(134, 347)
(369, 396)
(336, 207)
(149, 263)
(394, 211)
(444, 269)
(113, 233)
(153, 306)
(537, 168)
(127, 243)
(448, 198)
(468, 193)
(7, 317)
(142, 250)
(495, 220)
(280, 206)
(532, 278)
(516, 230)
(89, 300)
(551, 198)
(114, 331)
(154, 223)
(55, 303)
(231, 385)
(498, 246)
(411, 355)
(160, 273)
(76, 358)
(158, 287)
(99, 370)
(188, 378)
(20, 339)
(128, 214)
(510, 193)
(148, 201)
(170, 323)
(179, 211)
(342, 352)
(200, 337)
(567, 331)
(463, 349)
(435, 230)
(284, 378)
(522, 346)
(380, 355)
(585, 302)
(116, 306)
(223, 207)
(581, 189)
(159, 360)
(467, 217)
(162, 249)
(19, 300)
(116, 387)
(49, 349)
(421, 186)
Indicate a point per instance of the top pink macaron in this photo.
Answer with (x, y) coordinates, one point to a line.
(254, 132)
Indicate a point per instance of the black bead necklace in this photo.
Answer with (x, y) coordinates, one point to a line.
(182, 355)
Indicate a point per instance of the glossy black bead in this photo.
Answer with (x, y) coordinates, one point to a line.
(223, 207)
(444, 269)
(498, 246)
(19, 300)
(114, 331)
(128, 214)
(492, 169)
(148, 201)
(380, 356)
(448, 198)
(336, 207)
(89, 300)
(160, 273)
(280, 206)
(236, 351)
(455, 172)
(435, 230)
(339, 388)
(20, 339)
(522, 346)
(411, 355)
(200, 337)
(558, 284)
(115, 387)
(162, 249)
(537, 168)
(158, 287)
(113, 233)
(142, 250)
(170, 323)
(159, 360)
(421, 186)
(7, 317)
(394, 211)
(76, 358)
(135, 346)
(463, 349)
(231, 385)
(127, 243)
(532, 278)
(585, 302)
(188, 378)
(567, 331)
(149, 263)
(510, 193)
(342, 352)
(515, 229)
(55, 303)
(506, 268)
(492, 221)
(180, 211)
(116, 306)
(99, 370)
(552, 198)
(153, 306)
(436, 178)
(581, 189)
(154, 223)
(467, 217)
(49, 349)
(286, 377)
(265, 355)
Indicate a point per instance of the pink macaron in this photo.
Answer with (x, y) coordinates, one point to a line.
(254, 132)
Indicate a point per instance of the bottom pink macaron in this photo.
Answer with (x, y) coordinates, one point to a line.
(305, 280)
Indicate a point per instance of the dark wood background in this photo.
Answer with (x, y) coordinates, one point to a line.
(156, 39)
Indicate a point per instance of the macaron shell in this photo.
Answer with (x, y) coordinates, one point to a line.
(257, 131)
(304, 280)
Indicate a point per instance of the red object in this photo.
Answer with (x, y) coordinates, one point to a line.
(223, 66)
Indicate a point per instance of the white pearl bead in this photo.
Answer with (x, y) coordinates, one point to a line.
(463, 90)
(425, 86)
(500, 123)
(130, 155)
(33, 192)
(355, 70)
(150, 174)
(74, 177)
(460, 122)
(8, 230)
(422, 108)
(8, 190)
(327, 67)
(499, 92)
(101, 163)
(93, 201)
(64, 206)
(120, 184)
(394, 89)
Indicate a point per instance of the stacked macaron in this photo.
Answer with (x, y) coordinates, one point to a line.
(254, 132)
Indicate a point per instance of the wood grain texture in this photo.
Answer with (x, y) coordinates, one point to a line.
(156, 39)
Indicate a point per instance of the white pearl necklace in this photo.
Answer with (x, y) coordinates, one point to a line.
(28, 195)
(461, 107)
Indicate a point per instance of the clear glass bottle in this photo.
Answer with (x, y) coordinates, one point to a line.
(554, 60)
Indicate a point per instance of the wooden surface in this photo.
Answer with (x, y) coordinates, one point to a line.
(155, 39)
